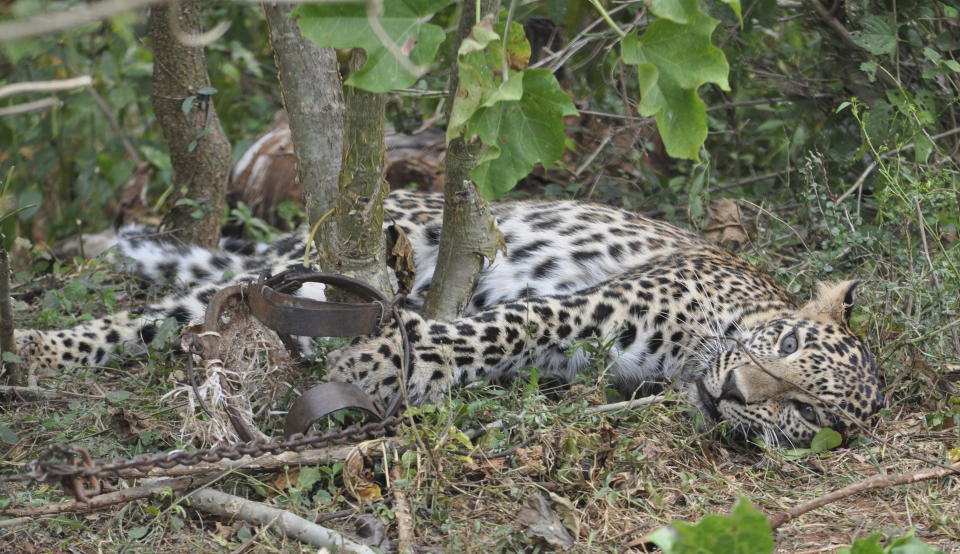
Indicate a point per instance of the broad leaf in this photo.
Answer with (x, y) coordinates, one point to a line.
(877, 35)
(673, 60)
(520, 133)
(399, 49)
(746, 530)
(678, 11)
(825, 440)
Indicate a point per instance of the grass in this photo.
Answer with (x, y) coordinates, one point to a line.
(612, 478)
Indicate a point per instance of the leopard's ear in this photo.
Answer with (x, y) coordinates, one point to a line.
(834, 302)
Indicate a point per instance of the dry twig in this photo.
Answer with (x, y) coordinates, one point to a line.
(875, 482)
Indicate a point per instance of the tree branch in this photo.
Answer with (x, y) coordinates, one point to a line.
(46, 86)
(293, 526)
(875, 482)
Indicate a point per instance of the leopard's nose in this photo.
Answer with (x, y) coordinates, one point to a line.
(730, 391)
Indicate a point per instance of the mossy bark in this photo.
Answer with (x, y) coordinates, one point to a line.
(469, 234)
(313, 97)
(351, 241)
(199, 149)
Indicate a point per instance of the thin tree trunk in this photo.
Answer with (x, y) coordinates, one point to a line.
(199, 149)
(469, 234)
(313, 97)
(352, 239)
(7, 341)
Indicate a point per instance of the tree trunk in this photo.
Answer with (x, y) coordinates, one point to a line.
(352, 239)
(313, 97)
(469, 234)
(7, 341)
(199, 149)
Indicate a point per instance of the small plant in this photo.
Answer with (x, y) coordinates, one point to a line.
(254, 227)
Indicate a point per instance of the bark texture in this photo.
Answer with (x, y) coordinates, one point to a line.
(313, 97)
(7, 341)
(199, 149)
(352, 241)
(469, 233)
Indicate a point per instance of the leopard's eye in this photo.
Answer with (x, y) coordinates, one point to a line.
(807, 412)
(789, 343)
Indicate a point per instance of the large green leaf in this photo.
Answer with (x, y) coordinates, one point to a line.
(878, 35)
(398, 51)
(745, 531)
(673, 60)
(520, 133)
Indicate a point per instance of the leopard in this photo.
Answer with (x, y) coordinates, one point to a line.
(670, 307)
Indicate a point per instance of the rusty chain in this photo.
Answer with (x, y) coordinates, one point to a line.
(72, 465)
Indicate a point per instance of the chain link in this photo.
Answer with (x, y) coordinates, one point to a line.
(64, 462)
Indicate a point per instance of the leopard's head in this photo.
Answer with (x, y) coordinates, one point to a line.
(784, 379)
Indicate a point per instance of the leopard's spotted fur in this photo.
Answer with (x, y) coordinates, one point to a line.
(674, 306)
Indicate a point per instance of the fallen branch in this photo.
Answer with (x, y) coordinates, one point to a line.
(293, 526)
(106, 500)
(875, 482)
(625, 405)
(14, 523)
(401, 509)
(182, 477)
(273, 461)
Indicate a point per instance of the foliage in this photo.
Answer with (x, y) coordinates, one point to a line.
(674, 57)
(398, 42)
(907, 544)
(744, 531)
(73, 162)
(504, 103)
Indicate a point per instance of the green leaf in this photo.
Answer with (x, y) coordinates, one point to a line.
(10, 357)
(678, 11)
(411, 43)
(8, 435)
(827, 439)
(207, 91)
(187, 104)
(138, 532)
(478, 55)
(309, 475)
(735, 6)
(507, 128)
(910, 544)
(922, 148)
(118, 396)
(745, 530)
(877, 35)
(673, 60)
(557, 10)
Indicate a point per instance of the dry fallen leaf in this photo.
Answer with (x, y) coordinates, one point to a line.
(542, 522)
(724, 224)
(356, 478)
